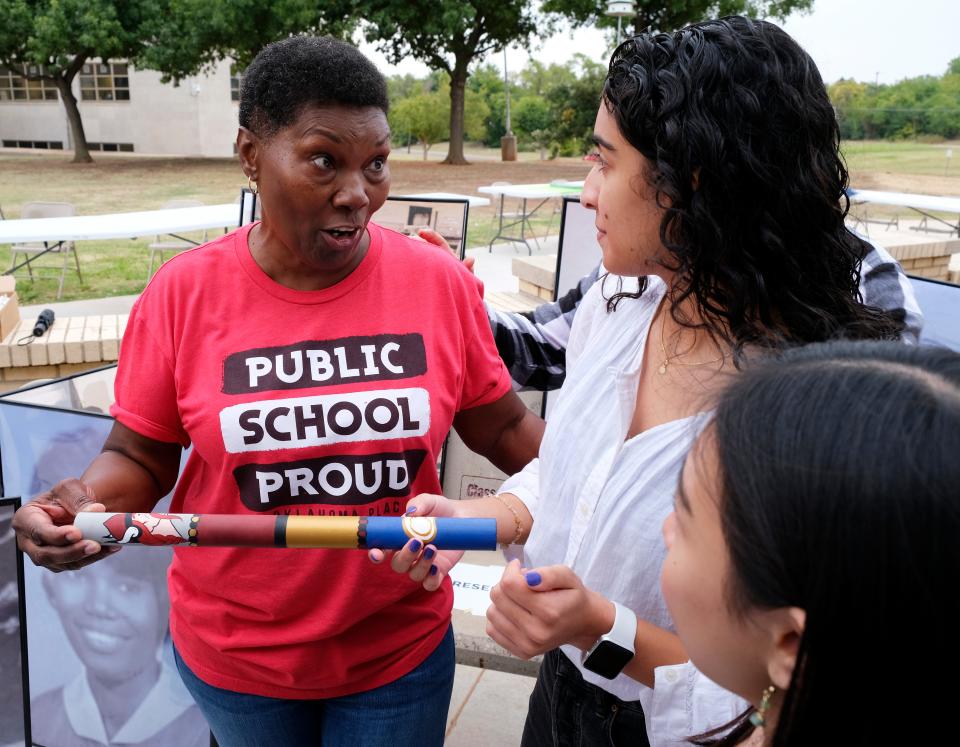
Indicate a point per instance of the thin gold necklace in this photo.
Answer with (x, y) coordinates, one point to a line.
(670, 359)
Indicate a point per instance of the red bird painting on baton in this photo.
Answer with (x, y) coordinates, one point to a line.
(144, 529)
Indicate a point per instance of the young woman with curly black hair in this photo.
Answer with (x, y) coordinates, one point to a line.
(813, 559)
(718, 183)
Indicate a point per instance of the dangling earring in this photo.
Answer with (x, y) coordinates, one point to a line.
(760, 715)
(252, 186)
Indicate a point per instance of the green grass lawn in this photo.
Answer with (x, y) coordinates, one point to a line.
(124, 183)
(902, 157)
(119, 268)
(116, 267)
(117, 183)
(110, 268)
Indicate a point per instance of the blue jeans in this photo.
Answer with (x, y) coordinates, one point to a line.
(409, 711)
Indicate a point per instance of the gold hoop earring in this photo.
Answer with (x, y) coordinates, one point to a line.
(252, 186)
(759, 716)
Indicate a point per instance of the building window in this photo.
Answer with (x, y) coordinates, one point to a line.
(41, 144)
(14, 86)
(236, 76)
(105, 81)
(111, 147)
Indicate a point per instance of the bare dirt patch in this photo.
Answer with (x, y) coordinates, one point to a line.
(913, 183)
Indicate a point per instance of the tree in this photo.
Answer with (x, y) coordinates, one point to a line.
(668, 16)
(404, 86)
(475, 115)
(448, 36)
(193, 35)
(535, 121)
(425, 117)
(538, 79)
(924, 105)
(55, 38)
(575, 102)
(486, 82)
(848, 97)
(176, 37)
(944, 117)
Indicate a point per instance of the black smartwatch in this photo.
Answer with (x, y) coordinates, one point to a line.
(614, 650)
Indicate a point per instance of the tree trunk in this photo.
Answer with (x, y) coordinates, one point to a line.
(64, 81)
(458, 85)
(426, 149)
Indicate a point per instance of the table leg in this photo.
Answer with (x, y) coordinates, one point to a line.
(30, 259)
(526, 228)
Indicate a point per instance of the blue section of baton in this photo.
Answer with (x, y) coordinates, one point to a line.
(386, 532)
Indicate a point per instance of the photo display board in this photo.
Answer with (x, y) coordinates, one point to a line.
(12, 704)
(98, 636)
(940, 304)
(465, 474)
(407, 215)
(578, 251)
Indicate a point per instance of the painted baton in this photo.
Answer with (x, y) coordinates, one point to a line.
(252, 530)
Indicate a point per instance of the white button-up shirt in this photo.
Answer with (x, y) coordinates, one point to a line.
(599, 500)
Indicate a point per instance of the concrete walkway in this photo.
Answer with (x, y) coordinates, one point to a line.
(487, 708)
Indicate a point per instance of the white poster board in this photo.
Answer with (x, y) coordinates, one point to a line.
(578, 252)
(466, 474)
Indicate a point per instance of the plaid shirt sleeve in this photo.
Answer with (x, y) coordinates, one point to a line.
(533, 344)
(884, 284)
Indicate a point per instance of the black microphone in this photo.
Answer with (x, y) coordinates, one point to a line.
(43, 322)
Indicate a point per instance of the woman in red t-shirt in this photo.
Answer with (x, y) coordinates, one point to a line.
(252, 349)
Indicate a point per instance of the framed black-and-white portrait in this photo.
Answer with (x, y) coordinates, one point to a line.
(12, 702)
(420, 215)
(100, 666)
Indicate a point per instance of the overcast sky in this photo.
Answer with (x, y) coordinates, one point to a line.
(885, 40)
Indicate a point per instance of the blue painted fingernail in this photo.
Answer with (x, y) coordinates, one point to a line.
(429, 553)
(433, 570)
(410, 510)
(533, 578)
(414, 545)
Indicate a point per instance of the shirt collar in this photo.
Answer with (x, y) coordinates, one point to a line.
(166, 701)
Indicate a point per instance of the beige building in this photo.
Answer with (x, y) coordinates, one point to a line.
(125, 109)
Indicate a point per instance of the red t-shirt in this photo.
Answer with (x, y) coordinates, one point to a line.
(330, 402)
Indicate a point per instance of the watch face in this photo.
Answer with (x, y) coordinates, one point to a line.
(608, 659)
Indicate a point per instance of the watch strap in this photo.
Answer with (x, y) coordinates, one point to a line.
(624, 630)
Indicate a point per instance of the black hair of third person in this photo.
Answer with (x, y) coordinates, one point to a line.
(300, 71)
(744, 147)
(840, 469)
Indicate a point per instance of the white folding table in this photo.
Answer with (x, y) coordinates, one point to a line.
(539, 193)
(119, 225)
(922, 204)
(54, 232)
(472, 200)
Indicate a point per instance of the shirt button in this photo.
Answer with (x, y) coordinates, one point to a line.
(670, 676)
(584, 510)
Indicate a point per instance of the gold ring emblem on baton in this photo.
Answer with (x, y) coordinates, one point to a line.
(423, 528)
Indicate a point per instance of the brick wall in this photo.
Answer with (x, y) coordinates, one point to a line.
(935, 268)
